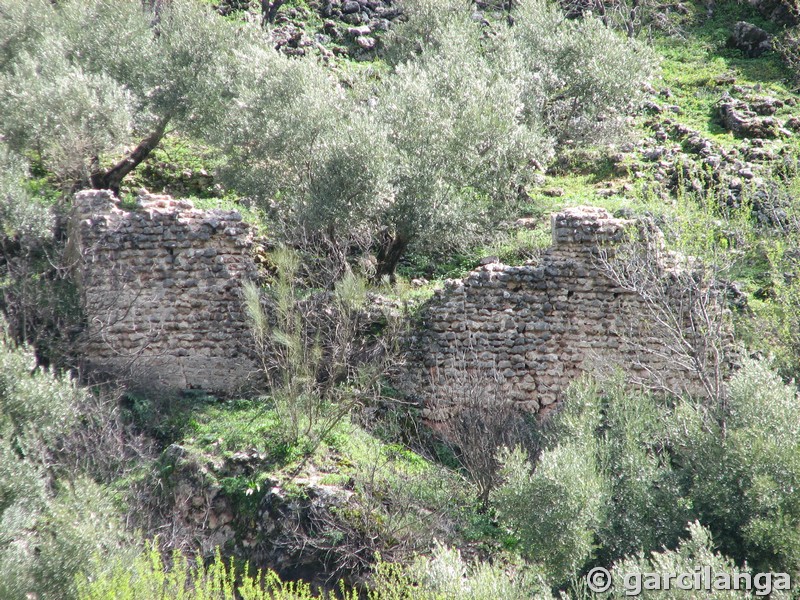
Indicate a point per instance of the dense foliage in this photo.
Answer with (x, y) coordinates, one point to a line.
(75, 98)
(51, 521)
(415, 160)
(622, 474)
(418, 159)
(444, 576)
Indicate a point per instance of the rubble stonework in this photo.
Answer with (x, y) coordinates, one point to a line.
(525, 332)
(161, 291)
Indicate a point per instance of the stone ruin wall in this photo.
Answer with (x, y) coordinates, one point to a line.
(161, 291)
(523, 333)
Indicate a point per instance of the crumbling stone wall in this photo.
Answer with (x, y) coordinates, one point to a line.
(525, 332)
(161, 291)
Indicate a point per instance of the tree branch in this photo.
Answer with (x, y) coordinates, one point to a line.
(112, 178)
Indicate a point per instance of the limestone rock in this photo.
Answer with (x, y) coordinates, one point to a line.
(751, 40)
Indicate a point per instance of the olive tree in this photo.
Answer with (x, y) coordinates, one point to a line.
(90, 87)
(423, 157)
(297, 139)
(581, 77)
(463, 142)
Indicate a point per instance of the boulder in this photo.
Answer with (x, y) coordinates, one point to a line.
(751, 40)
(781, 12)
(738, 117)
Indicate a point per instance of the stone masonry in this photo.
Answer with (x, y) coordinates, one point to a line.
(524, 333)
(161, 291)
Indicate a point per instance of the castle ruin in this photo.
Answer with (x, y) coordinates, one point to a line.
(523, 333)
(161, 291)
(161, 287)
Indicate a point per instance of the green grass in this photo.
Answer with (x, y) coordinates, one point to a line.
(241, 446)
(223, 429)
(696, 67)
(179, 166)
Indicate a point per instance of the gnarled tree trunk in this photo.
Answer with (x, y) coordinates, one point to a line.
(112, 178)
(391, 250)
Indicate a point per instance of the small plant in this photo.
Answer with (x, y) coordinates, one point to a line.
(147, 577)
(306, 349)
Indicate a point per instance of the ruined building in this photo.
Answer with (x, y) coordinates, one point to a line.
(161, 285)
(161, 291)
(524, 333)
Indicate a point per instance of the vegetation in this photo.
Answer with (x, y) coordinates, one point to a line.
(418, 160)
(446, 575)
(377, 157)
(93, 98)
(622, 473)
(52, 518)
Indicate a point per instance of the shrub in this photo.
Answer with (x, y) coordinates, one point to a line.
(23, 219)
(647, 509)
(458, 126)
(743, 469)
(307, 350)
(578, 76)
(419, 32)
(147, 577)
(300, 143)
(33, 402)
(693, 553)
(554, 510)
(605, 478)
(34, 298)
(49, 526)
(445, 575)
(622, 472)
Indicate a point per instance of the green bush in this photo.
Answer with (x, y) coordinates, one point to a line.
(146, 577)
(579, 77)
(21, 216)
(50, 526)
(693, 553)
(647, 509)
(622, 472)
(554, 510)
(741, 463)
(604, 486)
(443, 576)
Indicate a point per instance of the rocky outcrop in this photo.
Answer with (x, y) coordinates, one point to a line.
(161, 291)
(751, 40)
(348, 27)
(228, 503)
(781, 12)
(675, 158)
(740, 118)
